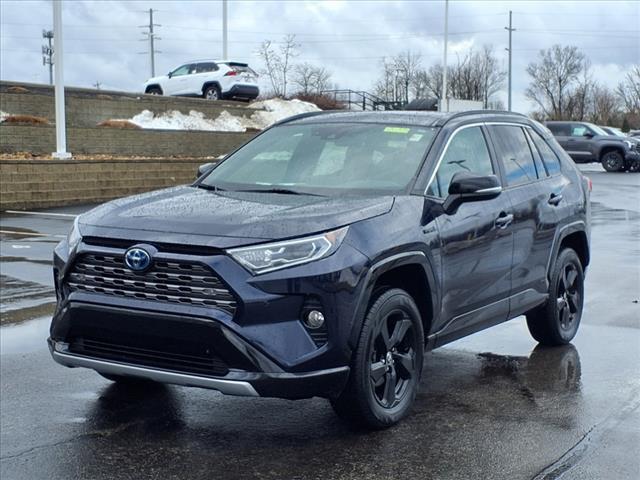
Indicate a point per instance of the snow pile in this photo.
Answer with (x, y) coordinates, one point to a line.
(276, 109)
(175, 120)
(3, 115)
(267, 113)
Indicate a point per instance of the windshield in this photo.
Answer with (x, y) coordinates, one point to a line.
(326, 158)
(597, 130)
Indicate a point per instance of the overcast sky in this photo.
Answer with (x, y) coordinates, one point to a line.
(102, 38)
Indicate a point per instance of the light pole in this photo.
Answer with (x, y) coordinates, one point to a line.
(61, 134)
(224, 30)
(444, 104)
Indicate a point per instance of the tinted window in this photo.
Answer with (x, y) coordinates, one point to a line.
(559, 129)
(549, 157)
(467, 152)
(206, 67)
(514, 153)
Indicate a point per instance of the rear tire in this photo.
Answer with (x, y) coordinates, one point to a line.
(212, 92)
(556, 322)
(613, 161)
(387, 363)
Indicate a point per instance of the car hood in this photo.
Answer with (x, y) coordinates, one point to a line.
(615, 138)
(225, 219)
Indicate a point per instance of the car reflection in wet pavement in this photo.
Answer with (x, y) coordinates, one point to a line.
(493, 405)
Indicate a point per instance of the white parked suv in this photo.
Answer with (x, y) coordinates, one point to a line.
(211, 79)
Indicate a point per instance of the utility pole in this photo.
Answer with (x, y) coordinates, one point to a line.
(444, 104)
(511, 30)
(97, 85)
(224, 31)
(61, 134)
(47, 53)
(152, 37)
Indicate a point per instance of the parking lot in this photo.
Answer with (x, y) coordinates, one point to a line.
(493, 405)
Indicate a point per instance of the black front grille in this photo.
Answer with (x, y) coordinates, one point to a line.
(177, 356)
(167, 281)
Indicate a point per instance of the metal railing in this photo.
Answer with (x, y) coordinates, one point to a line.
(361, 100)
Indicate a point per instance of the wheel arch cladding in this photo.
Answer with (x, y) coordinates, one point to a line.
(578, 242)
(210, 84)
(411, 278)
(152, 87)
(610, 148)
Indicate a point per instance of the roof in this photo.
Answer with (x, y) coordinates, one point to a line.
(423, 118)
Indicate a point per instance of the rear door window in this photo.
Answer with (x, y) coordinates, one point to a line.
(206, 67)
(514, 154)
(549, 157)
(559, 129)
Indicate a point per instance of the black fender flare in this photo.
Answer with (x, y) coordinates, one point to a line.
(153, 85)
(561, 234)
(381, 266)
(619, 146)
(210, 83)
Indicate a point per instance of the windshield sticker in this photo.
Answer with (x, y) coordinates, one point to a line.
(396, 130)
(416, 137)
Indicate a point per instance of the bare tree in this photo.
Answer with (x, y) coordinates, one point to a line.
(629, 91)
(553, 80)
(605, 106)
(311, 79)
(399, 76)
(278, 63)
(475, 76)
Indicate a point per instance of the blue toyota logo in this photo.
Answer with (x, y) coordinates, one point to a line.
(137, 259)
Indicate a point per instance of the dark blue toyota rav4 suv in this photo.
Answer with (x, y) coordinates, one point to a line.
(326, 255)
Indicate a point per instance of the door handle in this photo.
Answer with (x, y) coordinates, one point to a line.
(504, 220)
(555, 199)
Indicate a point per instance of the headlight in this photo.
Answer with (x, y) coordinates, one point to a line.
(274, 256)
(74, 237)
(629, 144)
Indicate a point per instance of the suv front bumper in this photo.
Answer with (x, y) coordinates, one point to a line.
(261, 377)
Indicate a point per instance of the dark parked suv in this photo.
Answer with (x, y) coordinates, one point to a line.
(586, 142)
(326, 256)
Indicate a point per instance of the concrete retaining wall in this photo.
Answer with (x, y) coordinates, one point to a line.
(86, 107)
(152, 143)
(32, 184)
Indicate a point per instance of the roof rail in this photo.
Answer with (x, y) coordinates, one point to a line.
(479, 112)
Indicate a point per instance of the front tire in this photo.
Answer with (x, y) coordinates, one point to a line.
(556, 322)
(154, 91)
(387, 363)
(613, 161)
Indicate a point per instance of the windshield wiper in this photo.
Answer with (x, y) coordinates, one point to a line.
(205, 186)
(285, 191)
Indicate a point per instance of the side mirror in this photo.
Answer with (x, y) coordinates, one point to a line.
(170, 74)
(204, 168)
(470, 187)
(588, 135)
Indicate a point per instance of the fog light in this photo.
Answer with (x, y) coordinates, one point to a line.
(315, 319)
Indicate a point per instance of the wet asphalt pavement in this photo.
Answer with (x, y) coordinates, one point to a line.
(492, 406)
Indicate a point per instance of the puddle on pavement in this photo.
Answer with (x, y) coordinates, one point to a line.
(24, 337)
(23, 300)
